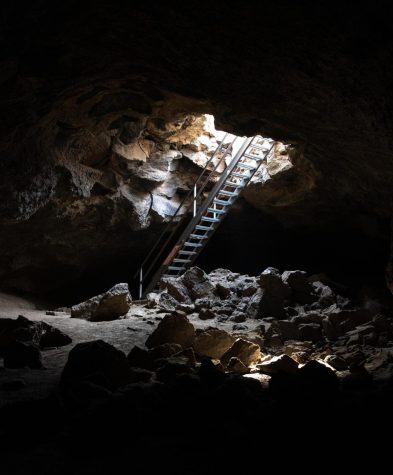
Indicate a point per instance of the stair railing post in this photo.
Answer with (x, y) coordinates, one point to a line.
(195, 195)
(140, 283)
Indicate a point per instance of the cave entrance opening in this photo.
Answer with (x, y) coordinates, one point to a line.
(231, 166)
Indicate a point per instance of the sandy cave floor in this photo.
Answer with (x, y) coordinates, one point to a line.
(122, 333)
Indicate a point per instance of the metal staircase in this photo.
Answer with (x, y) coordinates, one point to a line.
(208, 215)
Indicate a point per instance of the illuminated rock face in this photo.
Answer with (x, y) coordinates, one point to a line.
(87, 96)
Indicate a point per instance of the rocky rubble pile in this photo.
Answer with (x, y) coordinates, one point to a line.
(300, 318)
(22, 339)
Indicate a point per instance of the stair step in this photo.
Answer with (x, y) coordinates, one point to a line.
(264, 148)
(227, 193)
(204, 228)
(192, 244)
(210, 220)
(218, 211)
(176, 268)
(239, 175)
(189, 253)
(221, 202)
(253, 157)
(197, 236)
(246, 165)
(231, 183)
(181, 260)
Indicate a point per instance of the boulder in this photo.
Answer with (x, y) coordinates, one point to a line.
(96, 359)
(288, 330)
(52, 337)
(21, 355)
(274, 295)
(238, 317)
(22, 329)
(278, 364)
(336, 362)
(140, 358)
(107, 306)
(326, 296)
(247, 352)
(310, 332)
(223, 290)
(165, 350)
(297, 280)
(235, 365)
(174, 328)
(198, 283)
(187, 308)
(315, 377)
(167, 302)
(206, 314)
(175, 287)
(213, 343)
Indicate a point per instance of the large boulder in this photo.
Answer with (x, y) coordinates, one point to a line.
(174, 328)
(175, 287)
(247, 352)
(24, 330)
(212, 343)
(96, 359)
(107, 306)
(198, 283)
(22, 354)
(278, 364)
(275, 294)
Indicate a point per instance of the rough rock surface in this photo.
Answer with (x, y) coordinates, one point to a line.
(85, 156)
(212, 343)
(96, 360)
(246, 351)
(22, 329)
(108, 306)
(174, 328)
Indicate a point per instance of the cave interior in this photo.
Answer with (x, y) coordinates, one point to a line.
(279, 337)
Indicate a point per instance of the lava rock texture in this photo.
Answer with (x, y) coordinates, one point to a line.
(94, 103)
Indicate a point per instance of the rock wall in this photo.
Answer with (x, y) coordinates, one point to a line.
(82, 86)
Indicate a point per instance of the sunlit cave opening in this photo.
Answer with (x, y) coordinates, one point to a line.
(196, 268)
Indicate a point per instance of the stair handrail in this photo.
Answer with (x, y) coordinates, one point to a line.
(235, 160)
(196, 195)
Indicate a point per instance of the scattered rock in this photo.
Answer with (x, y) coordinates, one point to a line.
(206, 314)
(188, 355)
(297, 281)
(235, 365)
(247, 352)
(21, 355)
(52, 337)
(239, 327)
(336, 362)
(166, 302)
(172, 329)
(140, 358)
(213, 343)
(278, 364)
(187, 308)
(96, 358)
(238, 317)
(198, 283)
(310, 332)
(289, 330)
(316, 377)
(107, 306)
(165, 350)
(274, 295)
(175, 287)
